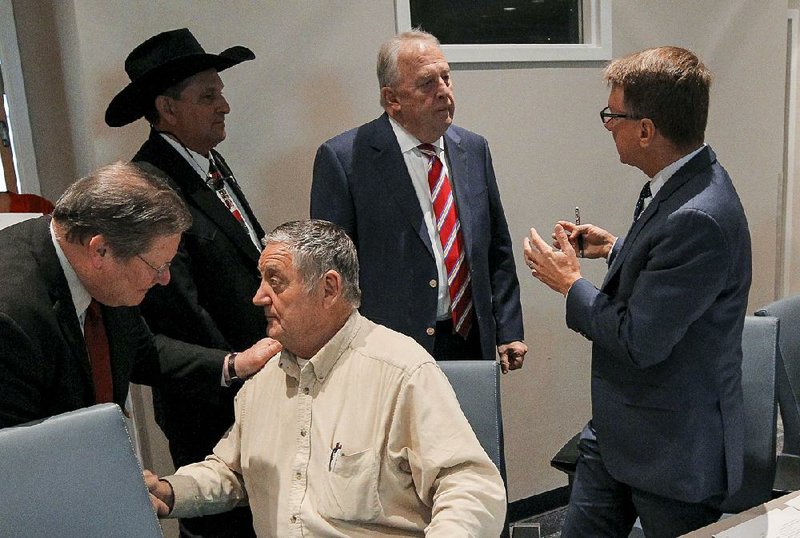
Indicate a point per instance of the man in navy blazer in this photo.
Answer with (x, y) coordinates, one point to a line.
(666, 437)
(373, 181)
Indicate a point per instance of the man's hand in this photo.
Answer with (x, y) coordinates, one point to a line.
(558, 269)
(597, 242)
(161, 495)
(512, 355)
(253, 359)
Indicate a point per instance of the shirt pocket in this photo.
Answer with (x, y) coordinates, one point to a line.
(350, 489)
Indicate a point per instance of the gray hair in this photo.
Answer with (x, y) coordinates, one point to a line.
(318, 246)
(390, 50)
(126, 204)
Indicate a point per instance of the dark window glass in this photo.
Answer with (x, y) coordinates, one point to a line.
(495, 22)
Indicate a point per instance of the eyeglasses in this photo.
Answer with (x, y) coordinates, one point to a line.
(159, 270)
(606, 115)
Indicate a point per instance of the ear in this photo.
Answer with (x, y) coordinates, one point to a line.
(331, 287)
(647, 132)
(97, 251)
(165, 109)
(390, 100)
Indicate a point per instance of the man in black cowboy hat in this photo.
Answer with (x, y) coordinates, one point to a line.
(175, 85)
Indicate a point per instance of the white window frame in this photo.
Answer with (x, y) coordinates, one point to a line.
(597, 29)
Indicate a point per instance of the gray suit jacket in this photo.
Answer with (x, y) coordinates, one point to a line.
(666, 327)
(361, 183)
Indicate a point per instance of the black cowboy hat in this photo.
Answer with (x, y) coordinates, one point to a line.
(160, 62)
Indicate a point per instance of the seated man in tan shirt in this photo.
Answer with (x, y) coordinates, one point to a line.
(352, 431)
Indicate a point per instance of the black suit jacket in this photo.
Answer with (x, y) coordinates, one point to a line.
(208, 301)
(44, 366)
(666, 327)
(361, 182)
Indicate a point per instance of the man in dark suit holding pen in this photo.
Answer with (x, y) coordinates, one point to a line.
(175, 85)
(665, 442)
(419, 198)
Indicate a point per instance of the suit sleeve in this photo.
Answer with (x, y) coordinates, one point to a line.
(330, 193)
(685, 271)
(502, 269)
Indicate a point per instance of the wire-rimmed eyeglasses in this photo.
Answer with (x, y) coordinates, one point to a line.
(159, 270)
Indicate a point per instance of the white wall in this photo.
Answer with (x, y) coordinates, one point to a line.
(314, 77)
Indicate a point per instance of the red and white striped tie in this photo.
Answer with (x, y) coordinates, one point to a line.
(449, 227)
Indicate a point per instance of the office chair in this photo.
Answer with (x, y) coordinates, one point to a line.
(787, 310)
(477, 387)
(11, 202)
(759, 360)
(73, 475)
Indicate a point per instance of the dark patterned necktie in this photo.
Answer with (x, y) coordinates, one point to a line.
(644, 195)
(217, 183)
(94, 332)
(449, 228)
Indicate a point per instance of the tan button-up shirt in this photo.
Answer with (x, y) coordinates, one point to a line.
(367, 440)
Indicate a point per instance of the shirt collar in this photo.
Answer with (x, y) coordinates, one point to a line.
(409, 142)
(325, 359)
(80, 296)
(195, 160)
(668, 171)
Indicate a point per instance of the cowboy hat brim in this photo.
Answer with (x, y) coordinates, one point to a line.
(131, 103)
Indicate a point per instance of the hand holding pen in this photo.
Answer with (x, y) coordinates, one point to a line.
(588, 240)
(580, 236)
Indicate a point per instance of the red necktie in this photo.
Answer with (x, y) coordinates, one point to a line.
(449, 227)
(218, 184)
(94, 331)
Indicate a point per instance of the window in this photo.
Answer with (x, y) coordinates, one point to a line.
(513, 30)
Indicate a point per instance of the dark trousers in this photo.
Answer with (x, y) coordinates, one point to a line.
(601, 506)
(451, 346)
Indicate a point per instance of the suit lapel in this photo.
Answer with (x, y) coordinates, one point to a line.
(390, 168)
(63, 306)
(699, 162)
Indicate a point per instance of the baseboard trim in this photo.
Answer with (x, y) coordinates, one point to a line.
(538, 504)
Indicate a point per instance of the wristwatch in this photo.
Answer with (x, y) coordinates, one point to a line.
(232, 367)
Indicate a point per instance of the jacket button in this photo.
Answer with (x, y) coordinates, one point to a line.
(431, 331)
(433, 283)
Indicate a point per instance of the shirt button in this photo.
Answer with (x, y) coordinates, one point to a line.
(298, 476)
(293, 519)
(431, 331)
(302, 433)
(433, 283)
(305, 390)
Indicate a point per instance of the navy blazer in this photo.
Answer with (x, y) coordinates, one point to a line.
(44, 365)
(208, 302)
(361, 182)
(666, 327)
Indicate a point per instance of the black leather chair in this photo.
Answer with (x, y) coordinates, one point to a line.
(73, 475)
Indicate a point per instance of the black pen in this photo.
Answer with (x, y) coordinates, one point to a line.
(580, 237)
(334, 456)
